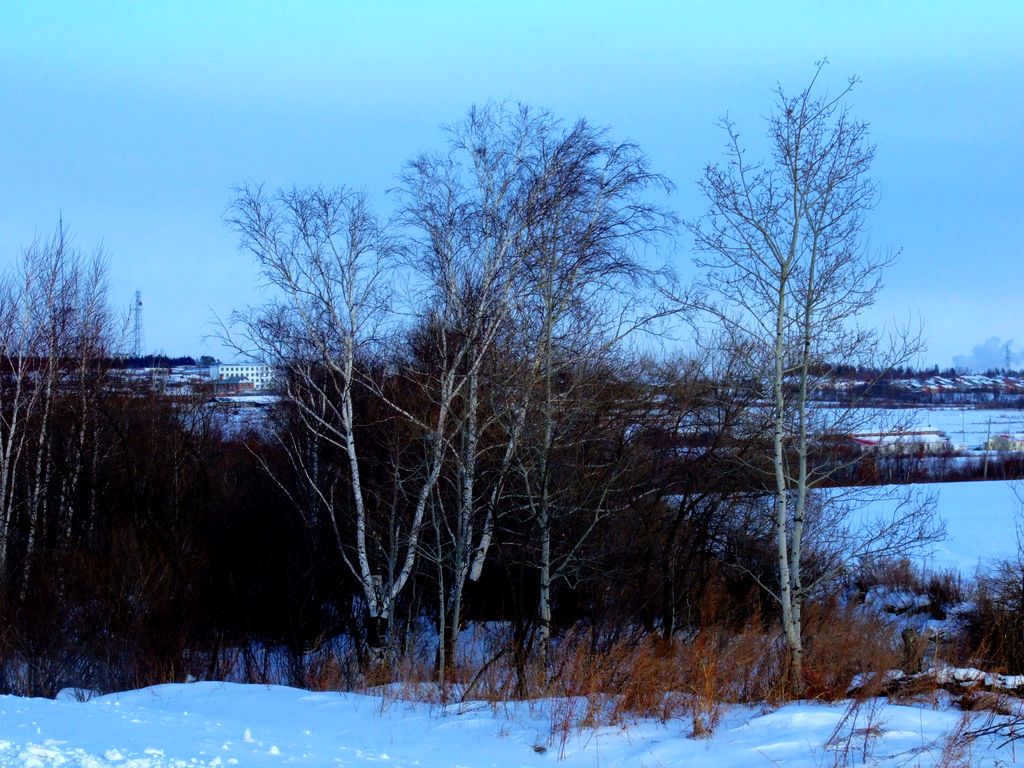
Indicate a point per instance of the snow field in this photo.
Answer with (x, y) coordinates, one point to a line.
(981, 520)
(220, 724)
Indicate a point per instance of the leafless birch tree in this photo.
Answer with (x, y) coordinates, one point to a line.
(585, 291)
(469, 211)
(55, 334)
(782, 245)
(325, 254)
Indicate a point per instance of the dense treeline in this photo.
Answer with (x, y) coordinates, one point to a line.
(150, 361)
(142, 537)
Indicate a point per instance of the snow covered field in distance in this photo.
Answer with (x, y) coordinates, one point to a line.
(981, 520)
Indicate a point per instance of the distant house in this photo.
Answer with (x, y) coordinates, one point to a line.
(232, 385)
(260, 375)
(1005, 442)
(905, 442)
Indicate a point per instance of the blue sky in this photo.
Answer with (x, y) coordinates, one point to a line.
(136, 120)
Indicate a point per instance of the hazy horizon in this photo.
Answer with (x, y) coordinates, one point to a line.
(135, 123)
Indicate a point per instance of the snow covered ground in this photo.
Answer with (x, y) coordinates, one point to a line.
(217, 724)
(981, 521)
(966, 428)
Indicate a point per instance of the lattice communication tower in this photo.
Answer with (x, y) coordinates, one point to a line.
(138, 340)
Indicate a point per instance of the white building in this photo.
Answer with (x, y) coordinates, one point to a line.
(261, 375)
(1005, 442)
(923, 441)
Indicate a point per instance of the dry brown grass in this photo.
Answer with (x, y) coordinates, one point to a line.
(842, 644)
(955, 746)
(855, 736)
(648, 677)
(593, 680)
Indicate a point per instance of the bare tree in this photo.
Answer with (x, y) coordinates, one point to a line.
(700, 473)
(521, 230)
(325, 255)
(55, 334)
(470, 211)
(782, 245)
(585, 291)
